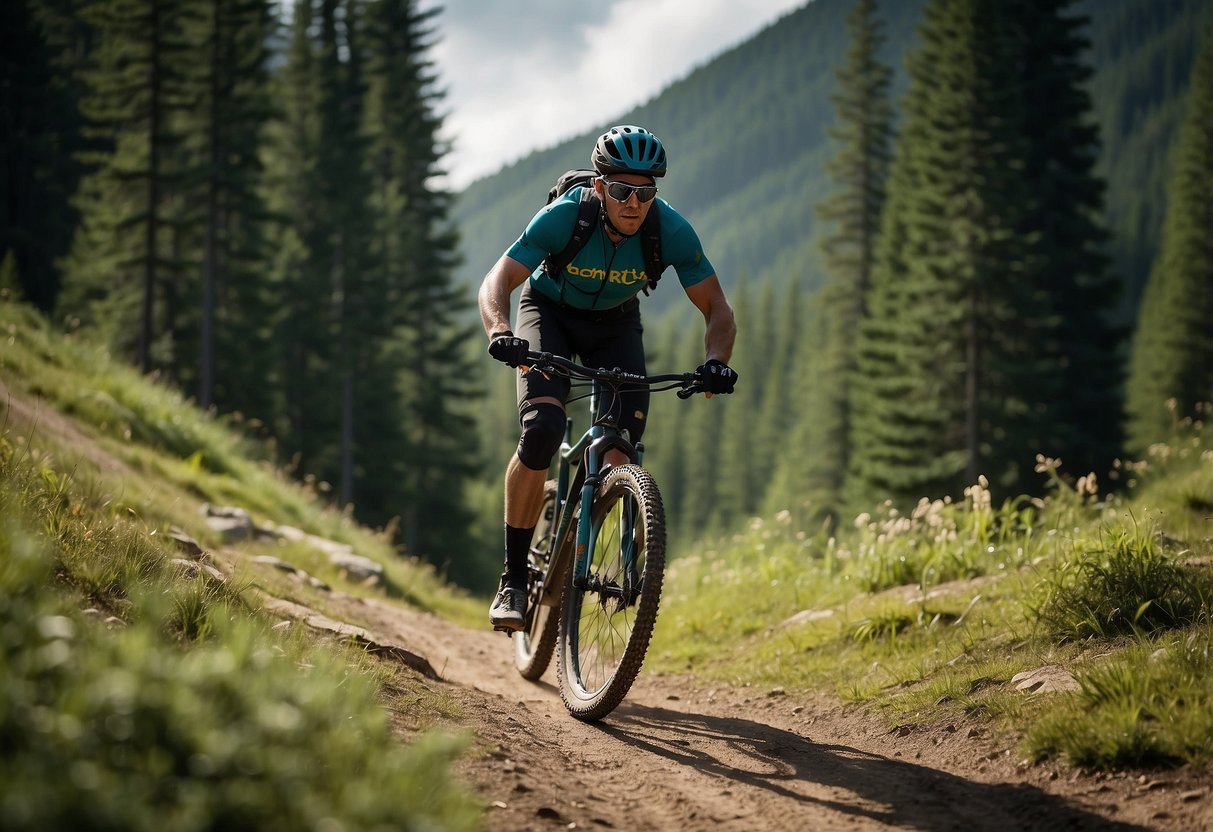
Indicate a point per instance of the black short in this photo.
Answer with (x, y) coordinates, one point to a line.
(597, 338)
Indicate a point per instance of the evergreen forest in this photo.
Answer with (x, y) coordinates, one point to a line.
(966, 241)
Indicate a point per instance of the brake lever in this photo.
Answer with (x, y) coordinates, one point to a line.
(694, 387)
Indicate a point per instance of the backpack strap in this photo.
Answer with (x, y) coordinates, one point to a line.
(587, 218)
(650, 245)
(588, 210)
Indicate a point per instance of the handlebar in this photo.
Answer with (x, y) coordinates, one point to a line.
(688, 383)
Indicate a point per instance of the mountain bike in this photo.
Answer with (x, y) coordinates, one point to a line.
(597, 558)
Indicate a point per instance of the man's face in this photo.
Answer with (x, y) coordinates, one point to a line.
(629, 214)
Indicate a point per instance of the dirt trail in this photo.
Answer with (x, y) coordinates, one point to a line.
(675, 756)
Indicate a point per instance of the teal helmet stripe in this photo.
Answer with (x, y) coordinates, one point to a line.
(629, 149)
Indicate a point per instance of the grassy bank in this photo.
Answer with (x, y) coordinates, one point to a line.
(931, 615)
(140, 692)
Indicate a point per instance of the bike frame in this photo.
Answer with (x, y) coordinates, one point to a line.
(575, 491)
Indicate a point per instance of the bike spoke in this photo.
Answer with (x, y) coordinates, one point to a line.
(606, 620)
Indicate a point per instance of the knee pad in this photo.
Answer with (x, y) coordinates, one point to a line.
(542, 433)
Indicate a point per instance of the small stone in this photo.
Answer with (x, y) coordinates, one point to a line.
(497, 804)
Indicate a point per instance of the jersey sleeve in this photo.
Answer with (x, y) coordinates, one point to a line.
(682, 248)
(547, 232)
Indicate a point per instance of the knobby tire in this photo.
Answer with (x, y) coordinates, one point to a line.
(606, 626)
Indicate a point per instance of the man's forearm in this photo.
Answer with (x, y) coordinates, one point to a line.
(720, 334)
(494, 309)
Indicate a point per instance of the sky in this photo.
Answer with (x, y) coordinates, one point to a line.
(525, 75)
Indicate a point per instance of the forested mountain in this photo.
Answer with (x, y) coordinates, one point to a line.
(750, 155)
(748, 151)
(935, 270)
(748, 141)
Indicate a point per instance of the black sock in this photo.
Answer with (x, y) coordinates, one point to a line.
(517, 542)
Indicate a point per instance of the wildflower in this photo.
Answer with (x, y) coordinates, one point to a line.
(1087, 487)
(1160, 451)
(979, 495)
(1045, 464)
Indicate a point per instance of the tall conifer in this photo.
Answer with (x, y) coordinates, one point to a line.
(860, 168)
(1065, 356)
(225, 135)
(39, 132)
(1173, 347)
(985, 339)
(413, 248)
(121, 260)
(302, 327)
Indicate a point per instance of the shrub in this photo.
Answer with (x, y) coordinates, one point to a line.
(1128, 586)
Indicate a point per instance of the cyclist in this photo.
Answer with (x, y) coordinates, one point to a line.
(591, 310)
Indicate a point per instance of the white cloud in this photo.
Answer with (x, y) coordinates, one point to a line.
(539, 71)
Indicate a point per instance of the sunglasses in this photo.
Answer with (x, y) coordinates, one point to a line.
(622, 191)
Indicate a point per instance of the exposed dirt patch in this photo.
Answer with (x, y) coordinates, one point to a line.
(28, 420)
(680, 755)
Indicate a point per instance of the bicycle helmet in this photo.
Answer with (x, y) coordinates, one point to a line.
(628, 149)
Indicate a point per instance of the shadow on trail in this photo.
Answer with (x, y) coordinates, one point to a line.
(885, 790)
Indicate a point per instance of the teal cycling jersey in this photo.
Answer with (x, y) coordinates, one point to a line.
(603, 275)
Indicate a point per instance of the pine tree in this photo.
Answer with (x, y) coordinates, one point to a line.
(122, 260)
(915, 351)
(39, 130)
(797, 484)
(225, 135)
(320, 190)
(1064, 353)
(987, 277)
(302, 328)
(1172, 355)
(741, 479)
(860, 169)
(779, 408)
(414, 249)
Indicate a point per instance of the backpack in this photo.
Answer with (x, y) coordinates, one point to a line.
(587, 217)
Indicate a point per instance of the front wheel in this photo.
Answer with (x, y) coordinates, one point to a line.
(534, 644)
(609, 609)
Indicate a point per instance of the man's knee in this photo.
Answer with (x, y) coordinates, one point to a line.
(542, 433)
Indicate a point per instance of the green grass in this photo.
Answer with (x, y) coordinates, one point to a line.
(931, 614)
(138, 695)
(143, 448)
(1149, 705)
(183, 709)
(927, 614)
